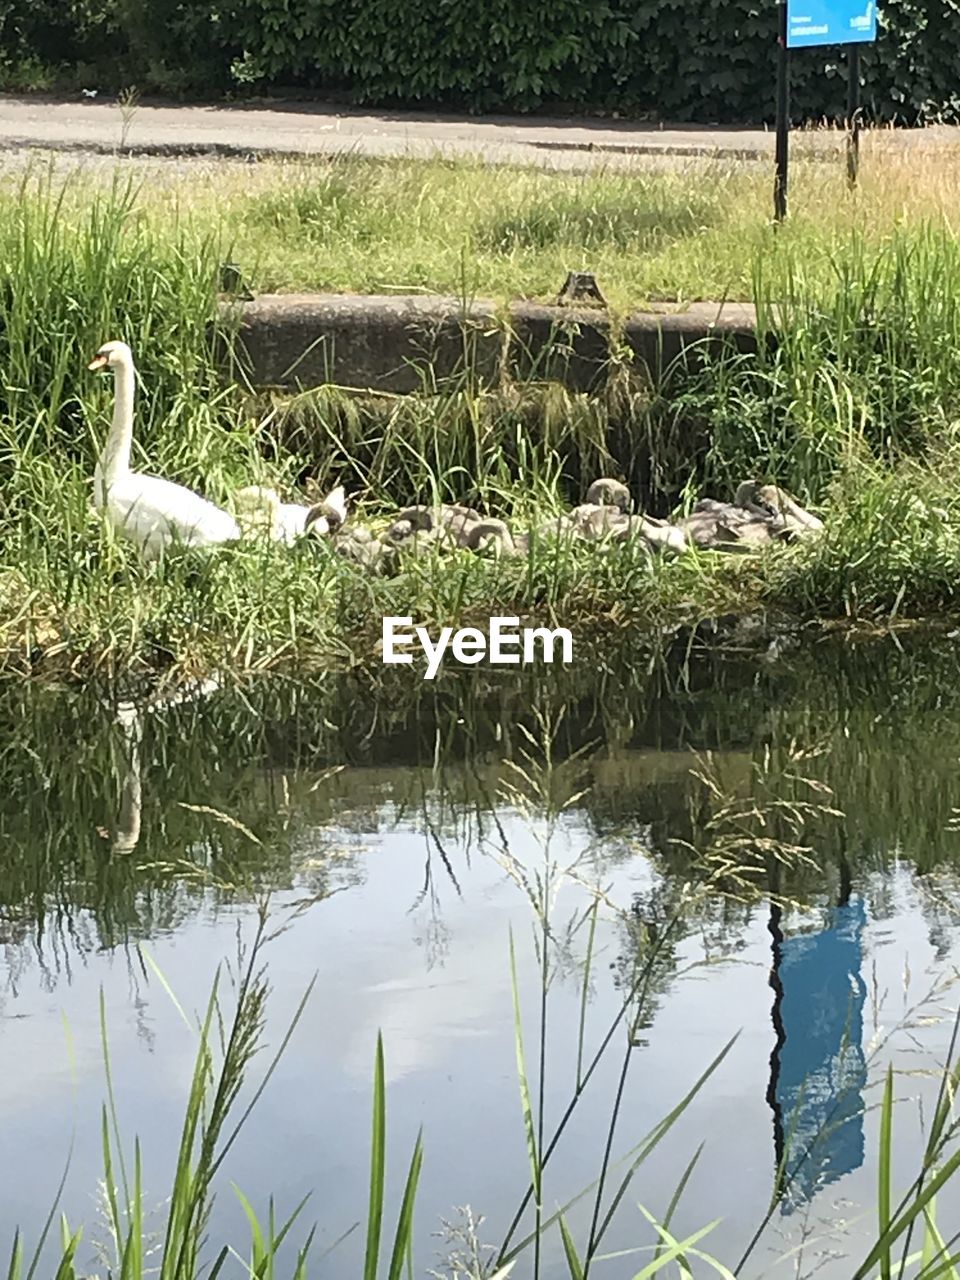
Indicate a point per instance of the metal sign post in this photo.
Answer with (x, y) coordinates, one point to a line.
(803, 25)
(853, 113)
(783, 120)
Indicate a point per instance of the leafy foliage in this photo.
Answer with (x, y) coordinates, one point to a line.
(49, 30)
(693, 59)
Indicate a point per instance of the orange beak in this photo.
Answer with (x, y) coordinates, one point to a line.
(98, 362)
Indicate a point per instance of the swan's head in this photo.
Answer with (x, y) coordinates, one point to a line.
(331, 511)
(489, 532)
(610, 493)
(111, 356)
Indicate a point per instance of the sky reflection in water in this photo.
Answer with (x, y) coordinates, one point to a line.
(409, 935)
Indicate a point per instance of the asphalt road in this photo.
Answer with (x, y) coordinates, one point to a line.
(296, 128)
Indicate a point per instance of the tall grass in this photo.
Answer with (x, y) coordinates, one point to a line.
(227, 1043)
(854, 408)
(686, 229)
(225, 1049)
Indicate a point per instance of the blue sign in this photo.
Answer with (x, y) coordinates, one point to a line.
(812, 22)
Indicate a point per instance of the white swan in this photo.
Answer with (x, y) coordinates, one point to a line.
(256, 508)
(154, 513)
(260, 511)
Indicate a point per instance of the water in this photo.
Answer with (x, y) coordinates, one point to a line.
(145, 840)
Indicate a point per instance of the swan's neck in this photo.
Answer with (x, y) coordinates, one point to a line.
(114, 461)
(131, 797)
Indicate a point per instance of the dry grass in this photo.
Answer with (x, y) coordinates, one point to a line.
(689, 231)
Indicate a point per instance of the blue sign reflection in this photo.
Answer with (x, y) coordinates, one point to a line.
(820, 1073)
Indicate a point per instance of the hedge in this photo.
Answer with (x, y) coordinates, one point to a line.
(698, 60)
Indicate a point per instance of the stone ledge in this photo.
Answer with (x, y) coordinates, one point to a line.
(408, 343)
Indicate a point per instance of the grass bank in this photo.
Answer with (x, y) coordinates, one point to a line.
(855, 410)
(685, 229)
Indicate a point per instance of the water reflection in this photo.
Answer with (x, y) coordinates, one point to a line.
(129, 720)
(818, 1070)
(126, 834)
(392, 790)
(884, 721)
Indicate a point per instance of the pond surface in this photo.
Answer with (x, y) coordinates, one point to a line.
(402, 831)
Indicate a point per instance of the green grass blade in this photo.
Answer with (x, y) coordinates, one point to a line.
(161, 978)
(933, 1243)
(675, 1249)
(15, 1267)
(638, 1153)
(267, 1076)
(585, 988)
(885, 1171)
(679, 1190)
(945, 1268)
(403, 1240)
(258, 1249)
(48, 1223)
(339, 1241)
(69, 1245)
(574, 1265)
(132, 1260)
(218, 1265)
(186, 1196)
(523, 1079)
(278, 1237)
(300, 1271)
(936, 1261)
(268, 1271)
(108, 1178)
(377, 1168)
(715, 1265)
(111, 1097)
(902, 1221)
(667, 1123)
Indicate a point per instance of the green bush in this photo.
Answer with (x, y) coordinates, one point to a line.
(705, 60)
(715, 60)
(53, 31)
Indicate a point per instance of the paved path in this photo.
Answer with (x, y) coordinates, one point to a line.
(298, 128)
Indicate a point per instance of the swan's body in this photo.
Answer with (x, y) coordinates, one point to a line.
(759, 514)
(154, 513)
(291, 521)
(260, 511)
(769, 498)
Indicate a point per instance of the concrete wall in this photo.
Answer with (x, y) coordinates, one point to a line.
(414, 343)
